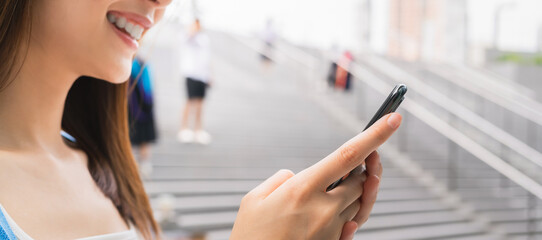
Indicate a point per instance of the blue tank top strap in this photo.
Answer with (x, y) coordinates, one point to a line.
(67, 136)
(5, 230)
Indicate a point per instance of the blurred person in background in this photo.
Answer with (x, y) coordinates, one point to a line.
(333, 55)
(141, 114)
(87, 185)
(343, 78)
(196, 68)
(268, 37)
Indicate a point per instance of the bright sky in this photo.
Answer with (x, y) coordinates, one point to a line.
(313, 22)
(325, 22)
(520, 23)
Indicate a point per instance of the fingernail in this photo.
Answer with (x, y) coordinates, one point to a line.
(375, 192)
(394, 120)
(378, 178)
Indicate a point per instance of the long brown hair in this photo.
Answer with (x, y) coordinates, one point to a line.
(15, 22)
(95, 114)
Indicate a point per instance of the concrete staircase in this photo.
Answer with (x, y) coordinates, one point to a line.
(266, 119)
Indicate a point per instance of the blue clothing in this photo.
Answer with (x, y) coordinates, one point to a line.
(144, 81)
(141, 99)
(5, 230)
(140, 105)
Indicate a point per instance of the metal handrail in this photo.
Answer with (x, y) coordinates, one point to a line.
(503, 83)
(506, 99)
(460, 111)
(443, 101)
(450, 132)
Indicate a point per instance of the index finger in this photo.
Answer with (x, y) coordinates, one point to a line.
(352, 153)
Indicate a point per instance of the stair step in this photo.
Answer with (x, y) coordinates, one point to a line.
(410, 219)
(422, 232)
(180, 187)
(259, 173)
(507, 215)
(221, 202)
(520, 227)
(386, 211)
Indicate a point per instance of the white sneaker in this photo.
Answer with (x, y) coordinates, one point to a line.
(165, 208)
(203, 137)
(146, 169)
(185, 136)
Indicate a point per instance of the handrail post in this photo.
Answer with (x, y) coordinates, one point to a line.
(482, 106)
(403, 140)
(452, 165)
(507, 123)
(503, 180)
(361, 104)
(531, 216)
(532, 132)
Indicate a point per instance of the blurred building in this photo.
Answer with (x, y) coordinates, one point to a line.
(433, 30)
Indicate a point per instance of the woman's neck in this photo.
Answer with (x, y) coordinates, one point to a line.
(31, 107)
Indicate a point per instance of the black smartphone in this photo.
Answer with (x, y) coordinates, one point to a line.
(391, 104)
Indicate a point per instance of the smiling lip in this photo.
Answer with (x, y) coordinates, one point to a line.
(130, 38)
(145, 22)
(132, 43)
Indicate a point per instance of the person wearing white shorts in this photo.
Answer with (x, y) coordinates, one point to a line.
(196, 70)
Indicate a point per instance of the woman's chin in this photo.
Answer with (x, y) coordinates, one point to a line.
(121, 74)
(118, 80)
(114, 75)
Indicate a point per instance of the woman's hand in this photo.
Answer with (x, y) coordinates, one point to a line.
(368, 198)
(288, 206)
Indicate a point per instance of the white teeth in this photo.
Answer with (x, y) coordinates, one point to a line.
(111, 18)
(121, 22)
(129, 27)
(134, 30)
